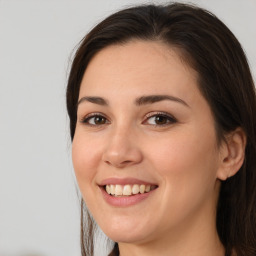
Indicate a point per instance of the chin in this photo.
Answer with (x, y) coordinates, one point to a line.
(121, 237)
(127, 232)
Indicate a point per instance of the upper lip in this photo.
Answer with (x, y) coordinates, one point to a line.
(124, 181)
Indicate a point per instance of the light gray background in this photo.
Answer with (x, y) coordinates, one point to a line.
(39, 210)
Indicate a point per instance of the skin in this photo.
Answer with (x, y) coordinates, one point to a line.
(182, 157)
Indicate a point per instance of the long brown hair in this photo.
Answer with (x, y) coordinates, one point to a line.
(209, 47)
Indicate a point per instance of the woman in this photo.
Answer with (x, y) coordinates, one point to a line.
(162, 118)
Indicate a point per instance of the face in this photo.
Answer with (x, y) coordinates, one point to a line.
(145, 152)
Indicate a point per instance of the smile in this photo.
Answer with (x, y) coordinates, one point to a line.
(128, 190)
(125, 192)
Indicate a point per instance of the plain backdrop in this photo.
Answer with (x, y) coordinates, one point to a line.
(39, 207)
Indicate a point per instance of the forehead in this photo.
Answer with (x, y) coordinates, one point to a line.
(145, 66)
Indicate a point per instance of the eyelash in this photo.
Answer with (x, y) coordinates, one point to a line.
(85, 120)
(169, 119)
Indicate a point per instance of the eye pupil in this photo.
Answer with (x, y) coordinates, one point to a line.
(160, 120)
(99, 120)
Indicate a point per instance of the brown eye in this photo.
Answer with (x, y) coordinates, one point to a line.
(95, 120)
(98, 120)
(161, 119)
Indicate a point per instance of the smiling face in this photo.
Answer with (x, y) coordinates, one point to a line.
(146, 135)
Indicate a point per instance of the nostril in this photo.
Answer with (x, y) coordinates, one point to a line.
(126, 162)
(107, 162)
(117, 164)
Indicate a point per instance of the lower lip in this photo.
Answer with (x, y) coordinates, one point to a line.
(124, 201)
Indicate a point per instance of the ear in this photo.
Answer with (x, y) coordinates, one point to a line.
(232, 154)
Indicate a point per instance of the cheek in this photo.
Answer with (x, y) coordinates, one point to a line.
(187, 164)
(188, 174)
(182, 149)
(85, 157)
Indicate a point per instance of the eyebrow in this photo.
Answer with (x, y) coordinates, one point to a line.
(156, 98)
(143, 100)
(95, 100)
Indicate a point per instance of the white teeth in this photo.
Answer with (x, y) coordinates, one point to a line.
(108, 189)
(112, 189)
(128, 190)
(119, 190)
(135, 189)
(147, 189)
(142, 189)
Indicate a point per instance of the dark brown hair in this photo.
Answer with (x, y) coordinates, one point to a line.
(210, 48)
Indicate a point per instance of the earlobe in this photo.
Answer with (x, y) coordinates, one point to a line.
(232, 154)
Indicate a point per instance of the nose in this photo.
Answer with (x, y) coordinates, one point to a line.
(122, 150)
